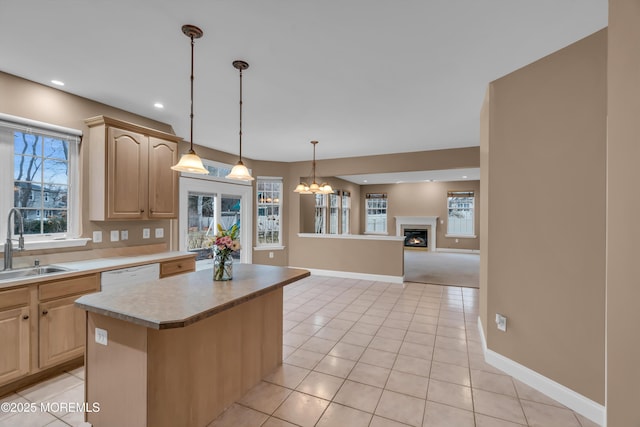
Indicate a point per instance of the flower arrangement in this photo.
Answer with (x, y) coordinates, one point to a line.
(224, 243)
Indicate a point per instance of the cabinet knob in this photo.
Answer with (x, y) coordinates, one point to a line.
(45, 312)
(141, 210)
(25, 317)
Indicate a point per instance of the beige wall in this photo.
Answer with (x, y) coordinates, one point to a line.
(425, 199)
(299, 248)
(485, 126)
(623, 227)
(308, 206)
(38, 102)
(546, 205)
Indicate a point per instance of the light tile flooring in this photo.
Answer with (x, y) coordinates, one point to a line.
(361, 353)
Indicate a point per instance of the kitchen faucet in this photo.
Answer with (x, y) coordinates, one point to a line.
(8, 246)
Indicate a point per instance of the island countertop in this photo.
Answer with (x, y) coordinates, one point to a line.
(178, 301)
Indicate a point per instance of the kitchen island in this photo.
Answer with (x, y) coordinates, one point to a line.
(180, 350)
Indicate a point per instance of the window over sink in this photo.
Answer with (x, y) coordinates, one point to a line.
(39, 176)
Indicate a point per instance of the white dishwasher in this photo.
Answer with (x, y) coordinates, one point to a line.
(130, 275)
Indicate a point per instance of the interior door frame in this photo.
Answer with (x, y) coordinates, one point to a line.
(220, 189)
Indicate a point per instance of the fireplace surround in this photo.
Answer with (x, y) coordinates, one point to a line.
(430, 223)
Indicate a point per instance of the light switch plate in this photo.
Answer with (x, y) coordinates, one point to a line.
(124, 235)
(146, 233)
(115, 235)
(97, 237)
(159, 233)
(101, 336)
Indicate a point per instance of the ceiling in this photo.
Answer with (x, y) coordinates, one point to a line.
(363, 77)
(467, 174)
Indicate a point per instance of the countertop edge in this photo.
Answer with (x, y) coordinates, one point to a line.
(113, 264)
(181, 323)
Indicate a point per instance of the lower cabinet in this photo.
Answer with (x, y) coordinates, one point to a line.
(62, 331)
(61, 325)
(14, 339)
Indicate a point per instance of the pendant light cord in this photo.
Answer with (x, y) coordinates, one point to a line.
(240, 115)
(191, 115)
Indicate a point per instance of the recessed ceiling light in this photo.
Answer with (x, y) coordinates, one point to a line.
(364, 180)
(57, 82)
(159, 105)
(464, 176)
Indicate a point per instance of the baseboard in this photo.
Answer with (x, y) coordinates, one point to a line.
(556, 391)
(354, 275)
(464, 251)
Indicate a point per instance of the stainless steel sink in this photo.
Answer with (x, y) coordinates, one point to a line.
(22, 273)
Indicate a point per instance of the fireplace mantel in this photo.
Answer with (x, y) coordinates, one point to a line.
(431, 221)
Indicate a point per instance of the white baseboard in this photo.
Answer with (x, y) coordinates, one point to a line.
(556, 391)
(465, 251)
(354, 275)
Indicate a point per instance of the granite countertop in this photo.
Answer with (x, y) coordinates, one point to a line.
(96, 265)
(178, 301)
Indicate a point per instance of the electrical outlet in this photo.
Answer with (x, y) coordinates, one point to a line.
(270, 254)
(501, 322)
(124, 235)
(146, 233)
(159, 233)
(97, 237)
(115, 235)
(101, 336)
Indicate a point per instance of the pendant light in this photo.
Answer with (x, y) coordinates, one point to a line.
(190, 162)
(314, 188)
(240, 171)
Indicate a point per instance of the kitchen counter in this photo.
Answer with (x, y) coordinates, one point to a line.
(178, 351)
(97, 265)
(179, 301)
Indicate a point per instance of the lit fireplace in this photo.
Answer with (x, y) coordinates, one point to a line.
(415, 238)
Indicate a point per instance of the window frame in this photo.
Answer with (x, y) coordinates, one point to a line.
(470, 194)
(8, 126)
(279, 204)
(371, 197)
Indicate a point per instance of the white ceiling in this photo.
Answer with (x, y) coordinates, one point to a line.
(361, 76)
(468, 174)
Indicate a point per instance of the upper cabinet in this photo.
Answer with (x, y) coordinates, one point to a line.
(130, 174)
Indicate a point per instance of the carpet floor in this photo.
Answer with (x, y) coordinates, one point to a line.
(442, 268)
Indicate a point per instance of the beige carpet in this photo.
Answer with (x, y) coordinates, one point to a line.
(442, 268)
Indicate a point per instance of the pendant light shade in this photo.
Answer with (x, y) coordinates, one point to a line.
(240, 171)
(314, 188)
(190, 162)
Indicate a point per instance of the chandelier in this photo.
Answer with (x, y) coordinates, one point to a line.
(314, 188)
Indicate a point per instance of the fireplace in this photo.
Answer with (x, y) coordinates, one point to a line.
(415, 238)
(419, 223)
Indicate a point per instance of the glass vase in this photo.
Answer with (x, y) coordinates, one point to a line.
(222, 266)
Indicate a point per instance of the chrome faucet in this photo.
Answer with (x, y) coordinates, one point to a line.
(8, 246)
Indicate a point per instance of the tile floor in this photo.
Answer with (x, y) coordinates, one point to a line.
(361, 353)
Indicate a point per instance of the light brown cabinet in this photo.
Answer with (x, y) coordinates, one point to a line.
(130, 171)
(179, 266)
(14, 334)
(61, 324)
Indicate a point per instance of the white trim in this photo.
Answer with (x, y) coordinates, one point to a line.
(28, 123)
(51, 244)
(269, 248)
(354, 275)
(462, 236)
(351, 236)
(220, 189)
(431, 221)
(465, 251)
(556, 391)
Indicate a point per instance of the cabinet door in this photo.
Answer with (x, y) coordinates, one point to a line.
(127, 174)
(14, 343)
(62, 331)
(163, 182)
